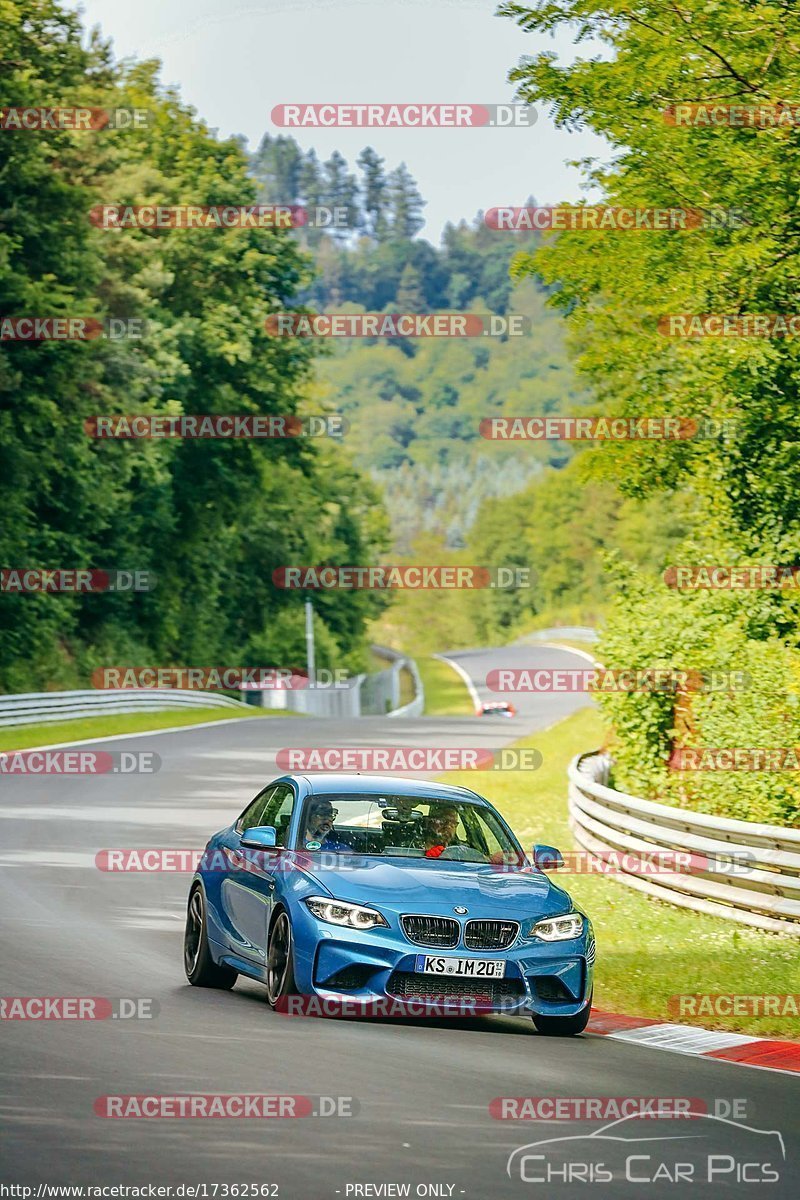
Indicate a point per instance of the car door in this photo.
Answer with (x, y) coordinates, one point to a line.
(247, 890)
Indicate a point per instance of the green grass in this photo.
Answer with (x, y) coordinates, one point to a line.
(407, 691)
(24, 736)
(446, 694)
(647, 950)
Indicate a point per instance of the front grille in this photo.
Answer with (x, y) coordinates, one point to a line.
(490, 935)
(432, 931)
(408, 984)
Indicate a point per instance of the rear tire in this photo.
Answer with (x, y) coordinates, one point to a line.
(201, 970)
(280, 960)
(564, 1026)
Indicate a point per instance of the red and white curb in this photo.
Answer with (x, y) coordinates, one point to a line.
(766, 1053)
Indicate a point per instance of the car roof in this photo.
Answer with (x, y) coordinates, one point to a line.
(327, 782)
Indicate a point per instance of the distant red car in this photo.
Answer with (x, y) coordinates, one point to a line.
(497, 708)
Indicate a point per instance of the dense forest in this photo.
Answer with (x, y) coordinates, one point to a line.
(415, 405)
(209, 519)
(742, 490)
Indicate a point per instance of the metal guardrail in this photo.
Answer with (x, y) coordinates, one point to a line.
(31, 708)
(761, 890)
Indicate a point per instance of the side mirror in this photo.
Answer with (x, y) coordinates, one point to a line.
(547, 858)
(260, 837)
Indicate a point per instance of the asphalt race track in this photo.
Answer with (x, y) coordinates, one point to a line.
(421, 1088)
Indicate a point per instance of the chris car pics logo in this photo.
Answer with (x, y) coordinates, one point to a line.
(708, 1149)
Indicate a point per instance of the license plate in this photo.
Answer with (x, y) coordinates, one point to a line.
(470, 968)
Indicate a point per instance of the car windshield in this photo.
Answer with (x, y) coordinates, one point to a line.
(395, 826)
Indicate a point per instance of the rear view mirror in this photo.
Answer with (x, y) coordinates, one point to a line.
(260, 837)
(547, 858)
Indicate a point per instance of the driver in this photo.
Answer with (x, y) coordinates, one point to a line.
(319, 818)
(440, 831)
(441, 840)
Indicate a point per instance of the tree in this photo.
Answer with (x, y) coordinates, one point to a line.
(374, 193)
(410, 294)
(743, 259)
(615, 286)
(313, 193)
(405, 204)
(341, 192)
(276, 164)
(210, 519)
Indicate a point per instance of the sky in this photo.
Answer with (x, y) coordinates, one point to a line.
(234, 61)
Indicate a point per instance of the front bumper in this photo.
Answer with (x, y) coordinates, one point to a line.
(340, 964)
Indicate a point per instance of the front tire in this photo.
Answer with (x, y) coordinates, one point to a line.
(564, 1026)
(280, 960)
(201, 970)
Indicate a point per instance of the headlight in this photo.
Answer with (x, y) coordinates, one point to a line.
(339, 912)
(558, 929)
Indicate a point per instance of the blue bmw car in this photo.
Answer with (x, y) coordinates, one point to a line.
(369, 888)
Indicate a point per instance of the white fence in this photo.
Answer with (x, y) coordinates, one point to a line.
(31, 708)
(740, 870)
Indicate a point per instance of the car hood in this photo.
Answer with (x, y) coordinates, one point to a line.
(437, 887)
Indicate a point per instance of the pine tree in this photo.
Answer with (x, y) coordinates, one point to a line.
(406, 204)
(341, 191)
(374, 190)
(276, 164)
